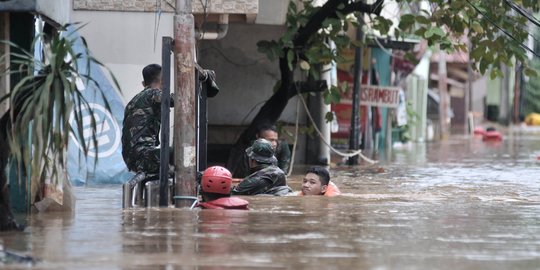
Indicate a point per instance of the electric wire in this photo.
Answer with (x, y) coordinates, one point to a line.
(321, 136)
(293, 154)
(502, 30)
(523, 12)
(157, 18)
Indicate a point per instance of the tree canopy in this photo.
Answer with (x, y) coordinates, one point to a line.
(498, 32)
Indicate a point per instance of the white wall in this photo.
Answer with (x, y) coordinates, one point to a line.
(58, 10)
(124, 42)
(479, 90)
(245, 76)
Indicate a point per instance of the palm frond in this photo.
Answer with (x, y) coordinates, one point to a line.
(44, 101)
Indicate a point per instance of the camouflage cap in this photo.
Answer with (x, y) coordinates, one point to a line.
(261, 150)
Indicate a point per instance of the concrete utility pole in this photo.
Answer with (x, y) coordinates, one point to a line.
(443, 94)
(184, 103)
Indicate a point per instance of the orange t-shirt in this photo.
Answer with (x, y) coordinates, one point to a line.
(331, 190)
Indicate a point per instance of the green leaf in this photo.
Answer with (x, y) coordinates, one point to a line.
(434, 31)
(329, 116)
(483, 65)
(303, 20)
(420, 31)
(342, 40)
(292, 7)
(290, 59)
(315, 74)
(477, 27)
(438, 31)
(422, 19)
(530, 72)
(496, 73)
(327, 97)
(429, 33)
(478, 52)
(333, 95)
(406, 21)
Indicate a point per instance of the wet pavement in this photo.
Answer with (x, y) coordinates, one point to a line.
(460, 204)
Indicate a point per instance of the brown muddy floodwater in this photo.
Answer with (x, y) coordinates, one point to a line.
(460, 204)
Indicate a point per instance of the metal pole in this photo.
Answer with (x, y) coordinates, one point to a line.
(202, 120)
(368, 129)
(165, 132)
(388, 131)
(184, 106)
(354, 143)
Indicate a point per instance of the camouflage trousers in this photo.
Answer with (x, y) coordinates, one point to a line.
(146, 160)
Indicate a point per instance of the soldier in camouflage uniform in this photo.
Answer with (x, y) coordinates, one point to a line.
(265, 177)
(142, 121)
(281, 150)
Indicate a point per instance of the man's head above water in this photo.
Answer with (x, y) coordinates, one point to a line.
(261, 152)
(216, 183)
(269, 133)
(315, 181)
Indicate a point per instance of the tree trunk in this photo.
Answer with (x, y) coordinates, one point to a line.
(272, 109)
(269, 113)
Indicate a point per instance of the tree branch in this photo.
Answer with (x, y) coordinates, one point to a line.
(329, 10)
(306, 87)
(360, 6)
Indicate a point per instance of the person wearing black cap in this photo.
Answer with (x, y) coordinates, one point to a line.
(265, 177)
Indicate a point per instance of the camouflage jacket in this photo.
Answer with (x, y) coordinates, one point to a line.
(264, 178)
(142, 120)
(283, 155)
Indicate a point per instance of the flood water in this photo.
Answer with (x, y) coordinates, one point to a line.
(459, 204)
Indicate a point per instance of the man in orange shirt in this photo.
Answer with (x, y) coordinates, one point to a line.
(317, 182)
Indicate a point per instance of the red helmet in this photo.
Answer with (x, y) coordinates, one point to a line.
(216, 179)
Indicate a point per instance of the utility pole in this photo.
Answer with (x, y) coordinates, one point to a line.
(368, 129)
(443, 94)
(184, 104)
(354, 142)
